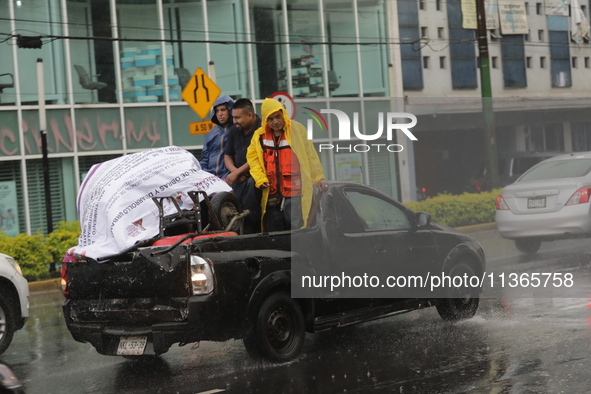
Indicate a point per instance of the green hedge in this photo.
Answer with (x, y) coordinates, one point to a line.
(35, 252)
(462, 210)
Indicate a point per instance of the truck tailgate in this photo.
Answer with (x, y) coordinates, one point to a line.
(133, 275)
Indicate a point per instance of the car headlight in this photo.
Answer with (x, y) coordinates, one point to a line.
(201, 276)
(15, 265)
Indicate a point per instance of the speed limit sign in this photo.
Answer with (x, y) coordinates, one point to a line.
(287, 101)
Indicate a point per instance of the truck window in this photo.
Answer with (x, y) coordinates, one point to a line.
(378, 214)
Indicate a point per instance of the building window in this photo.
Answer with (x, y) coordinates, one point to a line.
(438, 5)
(584, 10)
(573, 61)
(462, 51)
(440, 32)
(549, 137)
(541, 35)
(528, 62)
(513, 61)
(374, 58)
(422, 4)
(542, 62)
(526, 8)
(425, 61)
(38, 18)
(441, 61)
(424, 32)
(494, 62)
(560, 59)
(581, 136)
(184, 22)
(538, 8)
(410, 32)
(587, 63)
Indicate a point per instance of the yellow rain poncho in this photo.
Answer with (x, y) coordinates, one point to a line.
(296, 135)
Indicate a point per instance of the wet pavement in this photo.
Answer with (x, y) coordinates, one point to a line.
(513, 345)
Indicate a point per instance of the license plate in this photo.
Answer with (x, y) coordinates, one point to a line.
(131, 346)
(539, 202)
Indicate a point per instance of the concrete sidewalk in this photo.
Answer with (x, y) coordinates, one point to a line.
(54, 284)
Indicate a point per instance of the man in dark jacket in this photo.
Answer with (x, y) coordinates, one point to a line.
(245, 123)
(212, 156)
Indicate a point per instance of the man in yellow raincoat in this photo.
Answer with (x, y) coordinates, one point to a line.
(285, 165)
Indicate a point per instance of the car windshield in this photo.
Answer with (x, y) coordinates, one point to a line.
(557, 169)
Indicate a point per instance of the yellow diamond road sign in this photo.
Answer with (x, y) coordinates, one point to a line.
(200, 93)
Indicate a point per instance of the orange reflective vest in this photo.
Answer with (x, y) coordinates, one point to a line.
(282, 165)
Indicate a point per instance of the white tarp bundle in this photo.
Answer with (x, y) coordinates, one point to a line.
(115, 204)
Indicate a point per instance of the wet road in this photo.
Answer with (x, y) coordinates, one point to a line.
(513, 345)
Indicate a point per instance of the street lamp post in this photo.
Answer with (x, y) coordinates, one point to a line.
(490, 144)
(45, 160)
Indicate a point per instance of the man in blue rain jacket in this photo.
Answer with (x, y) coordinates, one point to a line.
(212, 156)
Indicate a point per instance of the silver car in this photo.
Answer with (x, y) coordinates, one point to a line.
(14, 300)
(550, 201)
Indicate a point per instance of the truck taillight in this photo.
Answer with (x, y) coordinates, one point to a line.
(201, 276)
(64, 281)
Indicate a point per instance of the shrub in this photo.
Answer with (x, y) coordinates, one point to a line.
(61, 239)
(30, 252)
(462, 210)
(35, 253)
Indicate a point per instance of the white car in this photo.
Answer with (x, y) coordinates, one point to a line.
(14, 300)
(550, 201)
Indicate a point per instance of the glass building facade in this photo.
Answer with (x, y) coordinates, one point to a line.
(115, 70)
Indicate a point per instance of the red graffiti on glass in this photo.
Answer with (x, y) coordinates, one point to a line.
(147, 129)
(89, 133)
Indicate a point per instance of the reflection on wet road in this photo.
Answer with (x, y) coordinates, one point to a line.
(513, 345)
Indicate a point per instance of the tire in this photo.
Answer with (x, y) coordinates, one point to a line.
(7, 323)
(226, 206)
(528, 246)
(279, 330)
(462, 302)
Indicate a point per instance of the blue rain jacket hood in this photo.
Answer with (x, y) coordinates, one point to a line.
(212, 156)
(224, 99)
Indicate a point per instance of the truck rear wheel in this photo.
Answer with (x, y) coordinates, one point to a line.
(279, 331)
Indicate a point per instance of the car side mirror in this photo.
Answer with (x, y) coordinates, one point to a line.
(422, 219)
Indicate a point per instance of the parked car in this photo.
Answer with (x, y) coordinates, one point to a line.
(549, 202)
(14, 300)
(515, 164)
(219, 286)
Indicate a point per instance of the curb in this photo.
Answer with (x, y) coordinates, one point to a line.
(45, 285)
(54, 284)
(477, 227)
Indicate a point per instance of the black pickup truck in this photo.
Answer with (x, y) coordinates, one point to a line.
(218, 286)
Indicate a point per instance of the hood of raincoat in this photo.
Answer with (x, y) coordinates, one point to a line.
(225, 99)
(271, 105)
